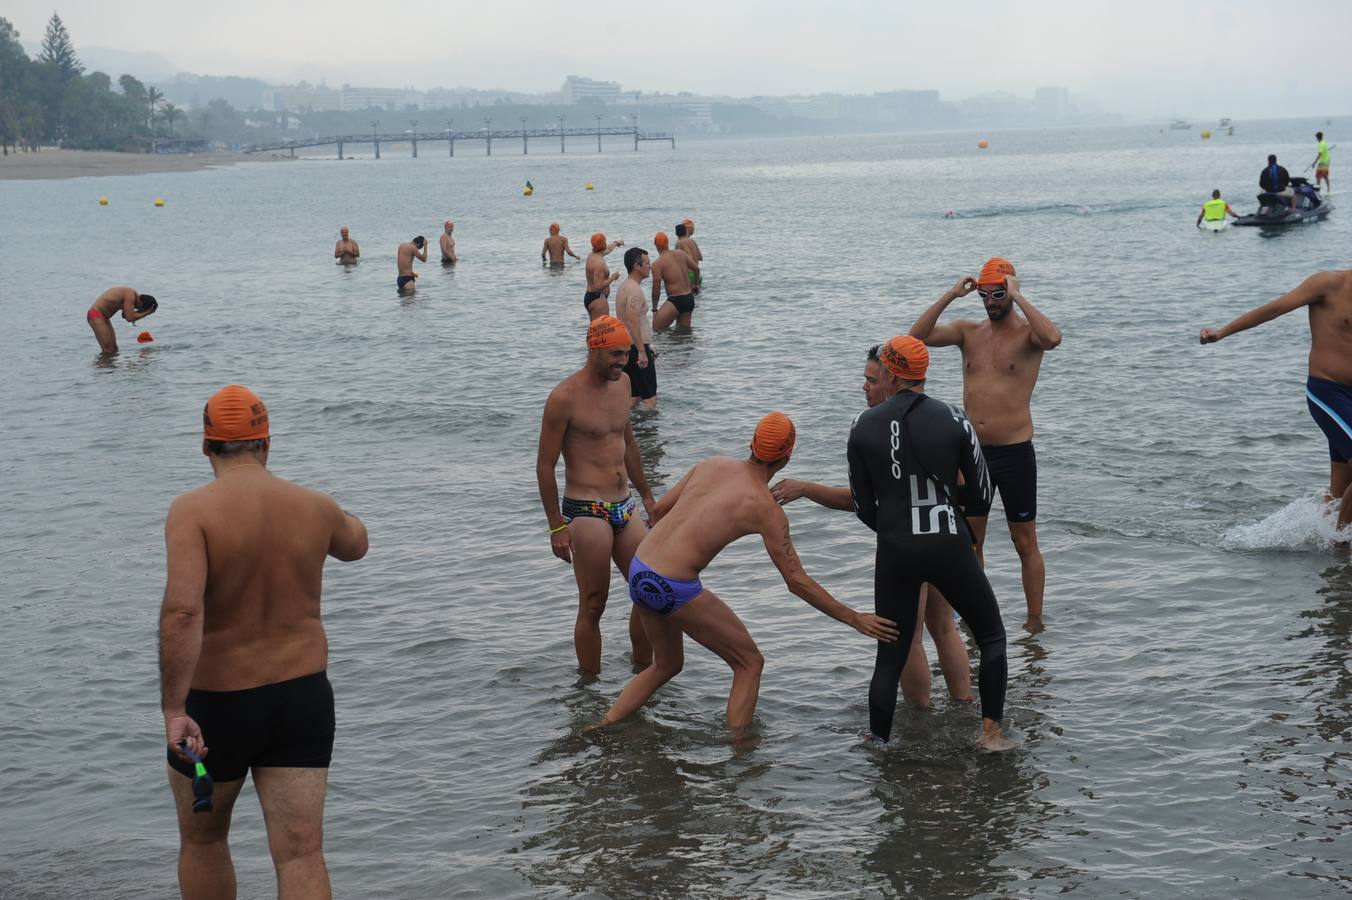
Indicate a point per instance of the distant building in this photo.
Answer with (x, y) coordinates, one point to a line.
(301, 97)
(359, 98)
(1052, 102)
(576, 89)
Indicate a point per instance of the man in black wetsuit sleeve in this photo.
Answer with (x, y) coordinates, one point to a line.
(904, 456)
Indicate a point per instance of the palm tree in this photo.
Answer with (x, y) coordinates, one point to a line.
(153, 97)
(171, 112)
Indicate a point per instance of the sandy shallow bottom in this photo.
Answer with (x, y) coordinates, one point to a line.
(87, 163)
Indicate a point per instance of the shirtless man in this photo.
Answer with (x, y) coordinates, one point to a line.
(587, 420)
(718, 501)
(935, 613)
(407, 251)
(243, 652)
(346, 250)
(448, 257)
(1328, 389)
(556, 245)
(673, 268)
(631, 309)
(132, 305)
(685, 241)
(599, 277)
(1000, 362)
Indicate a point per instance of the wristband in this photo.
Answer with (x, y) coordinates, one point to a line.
(560, 528)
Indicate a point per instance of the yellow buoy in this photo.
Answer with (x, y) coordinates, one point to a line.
(528, 191)
(1206, 135)
(590, 187)
(983, 143)
(103, 201)
(159, 201)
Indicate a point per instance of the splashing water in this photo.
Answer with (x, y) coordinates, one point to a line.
(1305, 523)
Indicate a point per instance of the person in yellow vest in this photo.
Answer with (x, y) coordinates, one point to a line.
(1215, 209)
(1321, 162)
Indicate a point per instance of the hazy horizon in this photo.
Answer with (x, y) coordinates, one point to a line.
(1155, 60)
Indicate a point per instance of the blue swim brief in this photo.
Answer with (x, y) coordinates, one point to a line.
(658, 593)
(1330, 404)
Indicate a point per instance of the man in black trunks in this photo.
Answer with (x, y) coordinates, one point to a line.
(407, 279)
(672, 270)
(630, 309)
(904, 457)
(243, 652)
(596, 299)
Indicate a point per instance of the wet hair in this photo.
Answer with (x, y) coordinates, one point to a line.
(419, 241)
(681, 230)
(1272, 158)
(874, 351)
(1319, 135)
(1216, 194)
(234, 448)
(145, 303)
(632, 256)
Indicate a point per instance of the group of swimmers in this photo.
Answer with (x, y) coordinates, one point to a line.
(1275, 180)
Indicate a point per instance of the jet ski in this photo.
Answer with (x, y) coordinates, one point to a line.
(1273, 211)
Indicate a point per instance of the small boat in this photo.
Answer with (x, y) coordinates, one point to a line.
(1180, 124)
(1273, 211)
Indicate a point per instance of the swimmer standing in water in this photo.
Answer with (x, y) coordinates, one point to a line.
(596, 299)
(447, 240)
(555, 246)
(124, 300)
(408, 251)
(672, 270)
(346, 250)
(685, 241)
(718, 501)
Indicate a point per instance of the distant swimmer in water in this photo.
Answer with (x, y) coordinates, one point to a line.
(718, 501)
(346, 250)
(1328, 389)
(1321, 162)
(586, 419)
(448, 257)
(124, 300)
(1215, 209)
(685, 241)
(596, 299)
(416, 248)
(631, 308)
(672, 269)
(937, 615)
(556, 245)
(1001, 358)
(243, 654)
(905, 455)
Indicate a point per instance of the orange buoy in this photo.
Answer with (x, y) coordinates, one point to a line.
(983, 143)
(144, 338)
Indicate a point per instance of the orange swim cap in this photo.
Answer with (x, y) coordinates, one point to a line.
(144, 338)
(661, 240)
(235, 413)
(995, 270)
(553, 227)
(598, 241)
(905, 357)
(774, 438)
(608, 333)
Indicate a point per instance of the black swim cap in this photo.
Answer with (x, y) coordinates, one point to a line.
(145, 303)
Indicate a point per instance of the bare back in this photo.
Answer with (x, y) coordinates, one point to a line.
(672, 268)
(721, 499)
(598, 273)
(265, 541)
(116, 300)
(1331, 328)
(554, 245)
(407, 251)
(594, 438)
(999, 371)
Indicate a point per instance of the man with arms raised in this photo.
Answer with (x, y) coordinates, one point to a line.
(673, 269)
(1328, 389)
(1000, 361)
(124, 300)
(448, 257)
(407, 252)
(905, 455)
(556, 245)
(686, 242)
(586, 420)
(599, 277)
(633, 312)
(717, 502)
(243, 652)
(346, 250)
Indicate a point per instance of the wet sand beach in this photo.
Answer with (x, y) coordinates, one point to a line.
(54, 164)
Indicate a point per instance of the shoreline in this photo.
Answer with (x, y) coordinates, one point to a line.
(53, 164)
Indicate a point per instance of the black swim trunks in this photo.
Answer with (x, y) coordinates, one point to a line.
(1013, 469)
(685, 304)
(403, 280)
(588, 297)
(288, 724)
(1331, 405)
(642, 381)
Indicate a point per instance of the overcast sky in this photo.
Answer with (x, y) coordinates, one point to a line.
(1142, 57)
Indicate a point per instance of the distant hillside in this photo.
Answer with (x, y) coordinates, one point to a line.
(144, 64)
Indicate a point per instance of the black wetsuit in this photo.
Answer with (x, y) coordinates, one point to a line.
(904, 457)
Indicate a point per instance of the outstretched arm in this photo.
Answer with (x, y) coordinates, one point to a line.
(1311, 290)
(349, 540)
(1044, 334)
(778, 543)
(927, 327)
(790, 489)
(569, 250)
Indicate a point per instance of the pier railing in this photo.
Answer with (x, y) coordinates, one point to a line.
(449, 137)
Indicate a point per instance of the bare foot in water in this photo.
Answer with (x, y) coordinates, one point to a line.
(994, 740)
